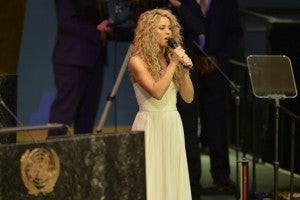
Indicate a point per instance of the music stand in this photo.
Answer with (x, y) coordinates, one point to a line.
(272, 77)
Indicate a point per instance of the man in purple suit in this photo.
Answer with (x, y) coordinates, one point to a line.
(79, 58)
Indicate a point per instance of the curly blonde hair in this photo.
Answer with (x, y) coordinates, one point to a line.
(145, 43)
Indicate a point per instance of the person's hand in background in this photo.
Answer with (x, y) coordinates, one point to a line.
(104, 29)
(206, 65)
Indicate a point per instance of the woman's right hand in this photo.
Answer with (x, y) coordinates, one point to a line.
(179, 55)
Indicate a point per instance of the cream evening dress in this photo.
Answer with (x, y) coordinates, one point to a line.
(167, 175)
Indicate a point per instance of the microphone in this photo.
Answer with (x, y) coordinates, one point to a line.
(173, 44)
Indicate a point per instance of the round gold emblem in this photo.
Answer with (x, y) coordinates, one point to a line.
(40, 169)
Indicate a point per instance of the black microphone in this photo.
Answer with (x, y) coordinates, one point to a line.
(173, 44)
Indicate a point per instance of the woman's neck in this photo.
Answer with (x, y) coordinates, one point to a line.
(163, 62)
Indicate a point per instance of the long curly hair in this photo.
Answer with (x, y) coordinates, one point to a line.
(146, 45)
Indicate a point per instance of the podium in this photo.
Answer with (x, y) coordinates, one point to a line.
(103, 166)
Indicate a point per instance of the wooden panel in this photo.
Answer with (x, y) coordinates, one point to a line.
(11, 17)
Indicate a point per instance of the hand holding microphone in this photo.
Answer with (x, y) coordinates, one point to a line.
(180, 52)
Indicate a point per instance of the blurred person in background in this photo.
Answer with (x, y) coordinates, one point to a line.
(222, 37)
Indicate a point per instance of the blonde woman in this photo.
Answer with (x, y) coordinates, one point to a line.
(158, 73)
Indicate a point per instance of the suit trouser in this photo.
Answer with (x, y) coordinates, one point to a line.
(78, 97)
(212, 89)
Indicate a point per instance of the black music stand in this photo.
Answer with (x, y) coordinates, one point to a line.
(272, 77)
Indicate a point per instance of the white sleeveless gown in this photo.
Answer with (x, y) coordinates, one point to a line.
(167, 175)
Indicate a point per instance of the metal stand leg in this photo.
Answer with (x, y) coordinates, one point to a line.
(237, 124)
(292, 160)
(244, 180)
(113, 93)
(276, 162)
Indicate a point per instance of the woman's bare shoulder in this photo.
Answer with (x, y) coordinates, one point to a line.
(136, 63)
(135, 59)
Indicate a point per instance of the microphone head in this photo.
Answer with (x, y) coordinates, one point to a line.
(172, 43)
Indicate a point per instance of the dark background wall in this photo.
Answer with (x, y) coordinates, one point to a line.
(11, 17)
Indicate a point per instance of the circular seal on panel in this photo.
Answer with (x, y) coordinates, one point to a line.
(39, 170)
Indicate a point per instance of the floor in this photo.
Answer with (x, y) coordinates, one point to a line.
(260, 186)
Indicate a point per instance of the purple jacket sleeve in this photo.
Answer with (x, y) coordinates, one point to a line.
(70, 22)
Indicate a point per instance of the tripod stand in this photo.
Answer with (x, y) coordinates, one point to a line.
(113, 93)
(272, 78)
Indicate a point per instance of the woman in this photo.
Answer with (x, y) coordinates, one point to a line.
(158, 73)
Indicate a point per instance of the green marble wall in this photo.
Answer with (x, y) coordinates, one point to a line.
(103, 167)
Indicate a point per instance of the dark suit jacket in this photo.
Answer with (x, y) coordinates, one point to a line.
(77, 40)
(192, 22)
(191, 18)
(223, 30)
